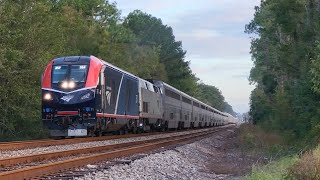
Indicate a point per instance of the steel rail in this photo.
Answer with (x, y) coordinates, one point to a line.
(7, 162)
(15, 145)
(36, 171)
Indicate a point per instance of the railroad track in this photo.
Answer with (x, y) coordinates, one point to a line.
(50, 142)
(90, 155)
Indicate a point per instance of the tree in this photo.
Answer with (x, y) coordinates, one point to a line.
(286, 67)
(150, 31)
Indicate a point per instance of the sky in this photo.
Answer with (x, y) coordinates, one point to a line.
(212, 33)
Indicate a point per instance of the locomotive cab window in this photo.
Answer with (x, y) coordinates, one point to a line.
(78, 73)
(75, 73)
(59, 73)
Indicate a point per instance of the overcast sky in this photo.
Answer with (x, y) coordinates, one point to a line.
(212, 33)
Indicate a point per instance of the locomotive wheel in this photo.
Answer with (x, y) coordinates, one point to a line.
(121, 131)
(134, 130)
(139, 130)
(126, 130)
(163, 128)
(166, 126)
(98, 132)
(91, 132)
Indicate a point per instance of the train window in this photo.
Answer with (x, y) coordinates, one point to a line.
(112, 83)
(59, 73)
(155, 89)
(172, 94)
(171, 115)
(196, 104)
(145, 107)
(147, 85)
(186, 100)
(78, 73)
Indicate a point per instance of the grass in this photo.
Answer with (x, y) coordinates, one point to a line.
(308, 166)
(257, 142)
(271, 151)
(274, 170)
(283, 162)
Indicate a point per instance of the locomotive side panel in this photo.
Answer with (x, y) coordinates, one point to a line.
(196, 113)
(172, 111)
(112, 80)
(186, 111)
(128, 104)
(150, 102)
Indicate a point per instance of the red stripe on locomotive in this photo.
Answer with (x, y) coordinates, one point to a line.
(94, 70)
(67, 113)
(117, 116)
(46, 79)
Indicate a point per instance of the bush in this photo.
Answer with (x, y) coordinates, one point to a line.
(253, 139)
(274, 170)
(308, 167)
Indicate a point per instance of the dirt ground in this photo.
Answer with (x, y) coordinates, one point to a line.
(224, 156)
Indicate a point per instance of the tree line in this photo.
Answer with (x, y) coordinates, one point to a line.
(32, 32)
(285, 50)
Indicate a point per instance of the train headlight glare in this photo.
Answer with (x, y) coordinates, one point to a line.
(64, 85)
(72, 85)
(140, 124)
(47, 96)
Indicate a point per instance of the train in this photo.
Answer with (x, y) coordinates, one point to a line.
(87, 96)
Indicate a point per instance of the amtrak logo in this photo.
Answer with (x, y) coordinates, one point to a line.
(67, 98)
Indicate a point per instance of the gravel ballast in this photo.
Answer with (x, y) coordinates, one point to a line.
(57, 148)
(191, 161)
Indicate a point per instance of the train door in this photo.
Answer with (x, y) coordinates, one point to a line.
(128, 98)
(113, 79)
(100, 93)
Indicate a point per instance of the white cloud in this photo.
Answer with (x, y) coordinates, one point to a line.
(200, 34)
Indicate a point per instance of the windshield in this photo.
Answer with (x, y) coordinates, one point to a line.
(76, 73)
(59, 73)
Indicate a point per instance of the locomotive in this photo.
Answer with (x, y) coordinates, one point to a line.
(86, 96)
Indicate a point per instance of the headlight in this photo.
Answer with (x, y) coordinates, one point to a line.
(72, 84)
(140, 124)
(47, 96)
(64, 85)
(86, 96)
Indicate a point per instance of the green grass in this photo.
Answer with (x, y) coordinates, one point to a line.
(274, 170)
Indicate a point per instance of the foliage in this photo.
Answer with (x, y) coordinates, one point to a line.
(307, 167)
(255, 141)
(285, 52)
(152, 32)
(213, 96)
(275, 170)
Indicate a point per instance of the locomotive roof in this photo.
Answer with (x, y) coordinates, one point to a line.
(72, 60)
(116, 68)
